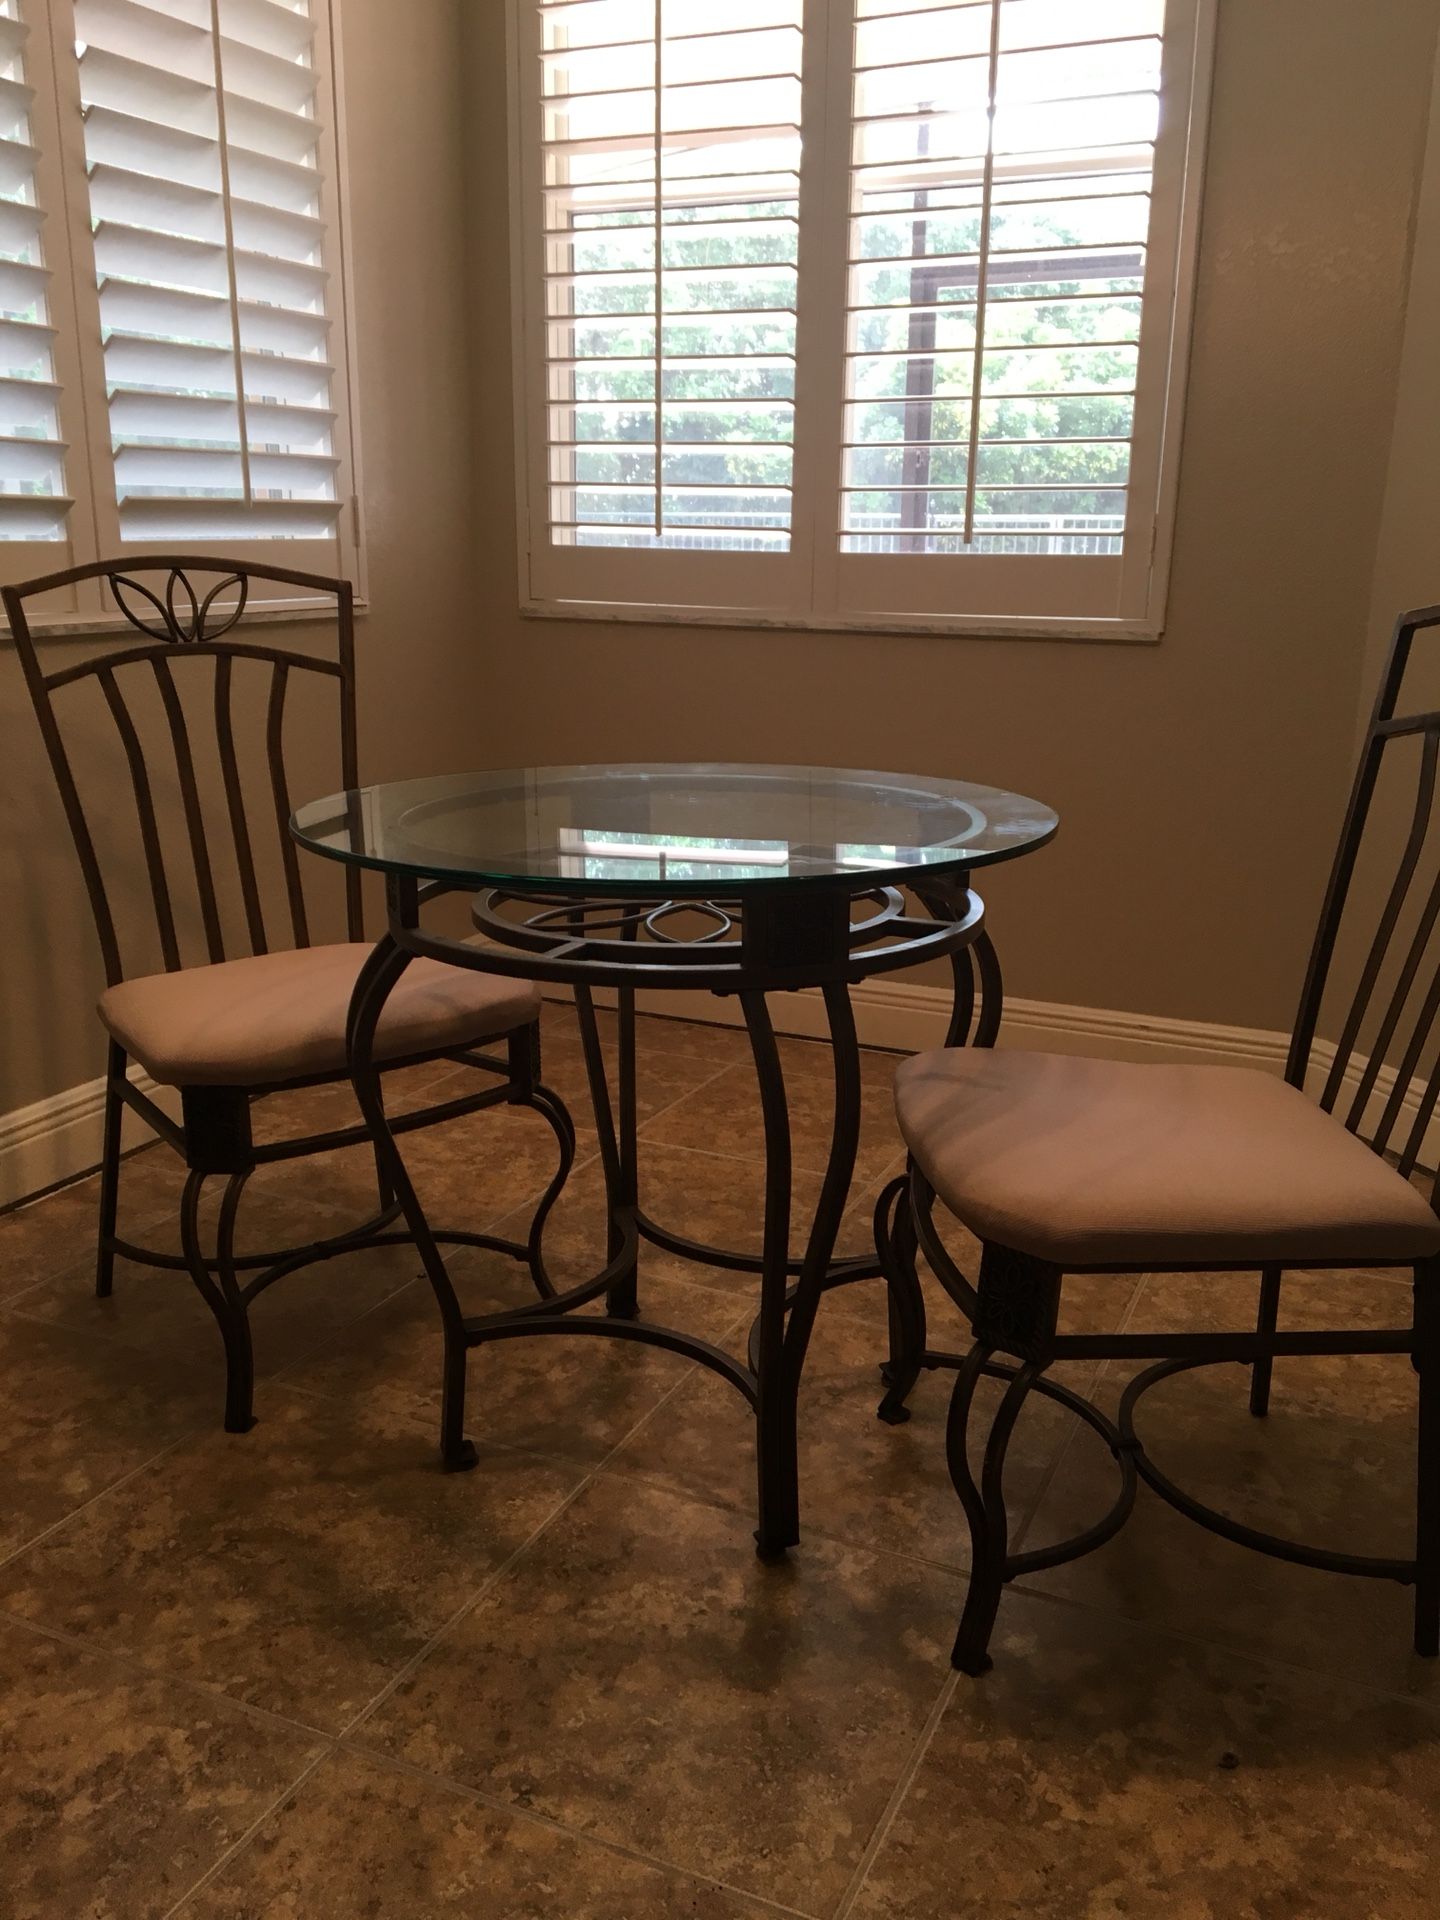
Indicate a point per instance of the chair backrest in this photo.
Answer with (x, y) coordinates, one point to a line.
(185, 615)
(1383, 1077)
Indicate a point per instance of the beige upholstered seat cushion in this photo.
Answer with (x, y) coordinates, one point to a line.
(1089, 1162)
(281, 1016)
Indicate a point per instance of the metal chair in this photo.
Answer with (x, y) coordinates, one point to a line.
(229, 1031)
(1062, 1165)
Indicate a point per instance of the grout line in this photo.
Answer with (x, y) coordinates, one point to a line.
(687, 1491)
(898, 1796)
(727, 1333)
(872, 1548)
(216, 1866)
(699, 1087)
(756, 1158)
(875, 1550)
(493, 1579)
(585, 1160)
(124, 1480)
(531, 1816)
(185, 1683)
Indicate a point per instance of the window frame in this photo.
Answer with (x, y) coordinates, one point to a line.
(93, 527)
(815, 557)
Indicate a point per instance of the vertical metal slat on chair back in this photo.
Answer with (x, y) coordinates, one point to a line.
(176, 624)
(1387, 1024)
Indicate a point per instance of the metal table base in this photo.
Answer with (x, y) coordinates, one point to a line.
(792, 938)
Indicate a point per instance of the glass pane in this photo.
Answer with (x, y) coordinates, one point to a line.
(682, 199)
(1042, 190)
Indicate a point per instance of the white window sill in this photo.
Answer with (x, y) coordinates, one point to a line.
(973, 627)
(264, 613)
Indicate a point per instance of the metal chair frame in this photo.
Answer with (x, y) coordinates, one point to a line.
(1014, 1309)
(214, 1136)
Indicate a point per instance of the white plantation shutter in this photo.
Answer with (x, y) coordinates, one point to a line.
(34, 506)
(205, 145)
(1003, 161)
(929, 373)
(667, 150)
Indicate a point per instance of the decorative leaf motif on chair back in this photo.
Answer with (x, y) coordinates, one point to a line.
(168, 624)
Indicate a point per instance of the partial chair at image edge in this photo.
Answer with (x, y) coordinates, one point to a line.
(227, 1032)
(1294, 1186)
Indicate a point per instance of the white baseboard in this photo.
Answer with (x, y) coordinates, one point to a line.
(60, 1138)
(910, 1018)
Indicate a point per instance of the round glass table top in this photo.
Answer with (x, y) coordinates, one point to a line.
(686, 831)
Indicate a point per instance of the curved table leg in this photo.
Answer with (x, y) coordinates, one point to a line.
(376, 981)
(619, 1147)
(780, 1341)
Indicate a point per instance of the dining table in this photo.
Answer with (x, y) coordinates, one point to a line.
(620, 884)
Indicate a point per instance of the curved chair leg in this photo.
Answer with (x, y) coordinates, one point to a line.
(984, 1505)
(109, 1174)
(1266, 1322)
(383, 1188)
(1427, 1506)
(457, 1453)
(220, 1290)
(895, 1246)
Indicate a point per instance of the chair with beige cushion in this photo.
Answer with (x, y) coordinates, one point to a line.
(1061, 1165)
(265, 1012)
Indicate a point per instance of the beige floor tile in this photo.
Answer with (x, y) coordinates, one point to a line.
(296, 1567)
(705, 1197)
(569, 1396)
(861, 1481)
(1332, 1464)
(121, 1788)
(720, 1046)
(467, 1172)
(75, 1417)
(153, 1308)
(640, 1676)
(1100, 1771)
(286, 1116)
(1175, 1726)
(724, 1117)
(361, 1838)
(59, 1231)
(663, 1075)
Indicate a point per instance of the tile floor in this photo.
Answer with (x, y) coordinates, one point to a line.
(304, 1674)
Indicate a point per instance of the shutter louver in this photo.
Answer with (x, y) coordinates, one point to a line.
(670, 140)
(33, 502)
(203, 152)
(1000, 219)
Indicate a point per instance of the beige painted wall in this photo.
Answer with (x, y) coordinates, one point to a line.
(1199, 781)
(1407, 559)
(1406, 575)
(418, 658)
